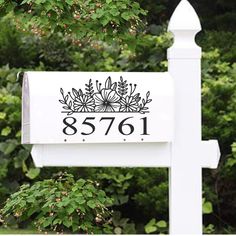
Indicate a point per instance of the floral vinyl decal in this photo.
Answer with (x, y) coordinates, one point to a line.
(114, 97)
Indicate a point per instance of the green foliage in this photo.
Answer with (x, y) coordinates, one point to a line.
(218, 15)
(32, 173)
(206, 207)
(147, 53)
(149, 193)
(224, 42)
(24, 49)
(16, 48)
(219, 99)
(139, 194)
(9, 126)
(116, 184)
(102, 19)
(61, 204)
(231, 160)
(55, 52)
(122, 225)
(157, 13)
(219, 118)
(215, 15)
(156, 226)
(209, 229)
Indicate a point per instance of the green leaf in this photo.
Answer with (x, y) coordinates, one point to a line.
(150, 227)
(18, 134)
(6, 131)
(230, 162)
(207, 208)
(104, 21)
(87, 193)
(22, 155)
(114, 12)
(25, 1)
(67, 222)
(94, 16)
(70, 2)
(31, 211)
(57, 221)
(70, 210)
(47, 222)
(80, 200)
(79, 184)
(233, 146)
(126, 15)
(161, 224)
(74, 226)
(118, 230)
(24, 167)
(91, 204)
(209, 229)
(8, 147)
(33, 173)
(38, 1)
(2, 115)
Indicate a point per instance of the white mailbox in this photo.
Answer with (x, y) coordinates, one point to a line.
(97, 107)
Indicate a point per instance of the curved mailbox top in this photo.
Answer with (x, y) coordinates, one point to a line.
(97, 107)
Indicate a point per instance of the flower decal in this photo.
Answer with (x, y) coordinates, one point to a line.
(129, 104)
(84, 103)
(107, 100)
(113, 97)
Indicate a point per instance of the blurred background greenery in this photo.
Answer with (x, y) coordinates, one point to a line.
(106, 35)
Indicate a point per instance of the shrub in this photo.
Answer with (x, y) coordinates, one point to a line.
(225, 42)
(139, 193)
(17, 48)
(61, 204)
(219, 120)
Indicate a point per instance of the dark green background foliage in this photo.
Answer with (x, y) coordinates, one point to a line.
(121, 36)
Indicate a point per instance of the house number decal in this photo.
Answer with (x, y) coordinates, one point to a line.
(114, 97)
(124, 127)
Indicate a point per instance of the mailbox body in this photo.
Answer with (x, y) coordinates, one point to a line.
(97, 107)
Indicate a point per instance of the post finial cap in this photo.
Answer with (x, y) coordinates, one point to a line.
(184, 18)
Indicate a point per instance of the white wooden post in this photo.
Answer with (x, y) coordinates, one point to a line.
(185, 179)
